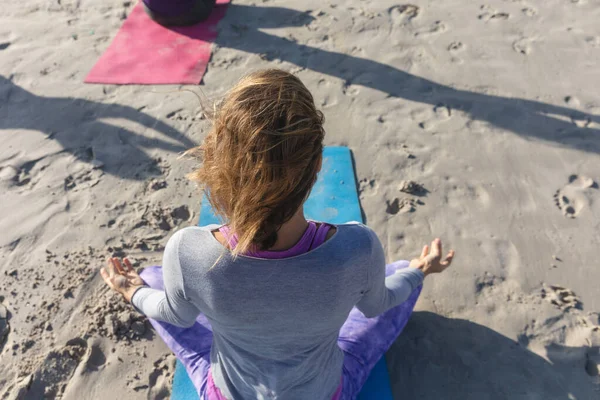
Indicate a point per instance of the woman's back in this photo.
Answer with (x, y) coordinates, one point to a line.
(275, 322)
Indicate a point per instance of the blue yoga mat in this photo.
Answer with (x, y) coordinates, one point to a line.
(334, 199)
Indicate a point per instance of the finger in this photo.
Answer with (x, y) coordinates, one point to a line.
(118, 265)
(448, 260)
(436, 247)
(110, 268)
(128, 265)
(104, 275)
(425, 251)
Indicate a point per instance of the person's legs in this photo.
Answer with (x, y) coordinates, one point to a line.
(190, 345)
(365, 340)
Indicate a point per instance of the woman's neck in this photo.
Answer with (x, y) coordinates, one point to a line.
(288, 235)
(291, 232)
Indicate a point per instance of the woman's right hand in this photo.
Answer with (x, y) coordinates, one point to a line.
(430, 261)
(121, 278)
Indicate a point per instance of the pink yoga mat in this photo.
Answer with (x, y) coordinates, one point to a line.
(144, 52)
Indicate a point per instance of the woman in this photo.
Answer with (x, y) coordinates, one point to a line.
(271, 305)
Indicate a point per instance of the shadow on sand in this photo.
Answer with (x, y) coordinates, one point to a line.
(78, 126)
(241, 30)
(444, 358)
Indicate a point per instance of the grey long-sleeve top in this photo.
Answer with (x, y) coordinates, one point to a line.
(275, 322)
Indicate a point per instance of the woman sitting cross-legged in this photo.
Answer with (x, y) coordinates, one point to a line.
(272, 305)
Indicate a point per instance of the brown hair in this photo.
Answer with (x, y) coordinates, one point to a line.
(262, 155)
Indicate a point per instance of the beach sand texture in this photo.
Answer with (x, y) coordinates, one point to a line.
(476, 122)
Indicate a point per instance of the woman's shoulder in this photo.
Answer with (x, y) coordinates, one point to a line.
(357, 231)
(191, 235)
(354, 226)
(192, 247)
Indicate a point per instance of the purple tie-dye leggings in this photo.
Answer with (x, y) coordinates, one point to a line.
(363, 340)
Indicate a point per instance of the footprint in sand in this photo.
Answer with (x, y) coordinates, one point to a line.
(552, 335)
(435, 28)
(324, 87)
(522, 46)
(29, 173)
(183, 115)
(574, 197)
(494, 16)
(24, 174)
(226, 62)
(403, 13)
(82, 180)
(442, 112)
(51, 377)
(403, 206)
(456, 47)
(350, 90)
(413, 188)
(428, 119)
(401, 151)
(580, 120)
(94, 358)
(489, 14)
(528, 11)
(561, 297)
(159, 381)
(487, 282)
(572, 101)
(367, 187)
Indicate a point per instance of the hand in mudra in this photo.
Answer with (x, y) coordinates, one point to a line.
(430, 261)
(121, 277)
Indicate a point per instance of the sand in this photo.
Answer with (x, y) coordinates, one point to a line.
(475, 122)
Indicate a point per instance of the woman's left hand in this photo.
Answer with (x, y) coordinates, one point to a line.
(121, 277)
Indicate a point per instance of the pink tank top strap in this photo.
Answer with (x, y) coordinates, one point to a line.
(320, 235)
(231, 239)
